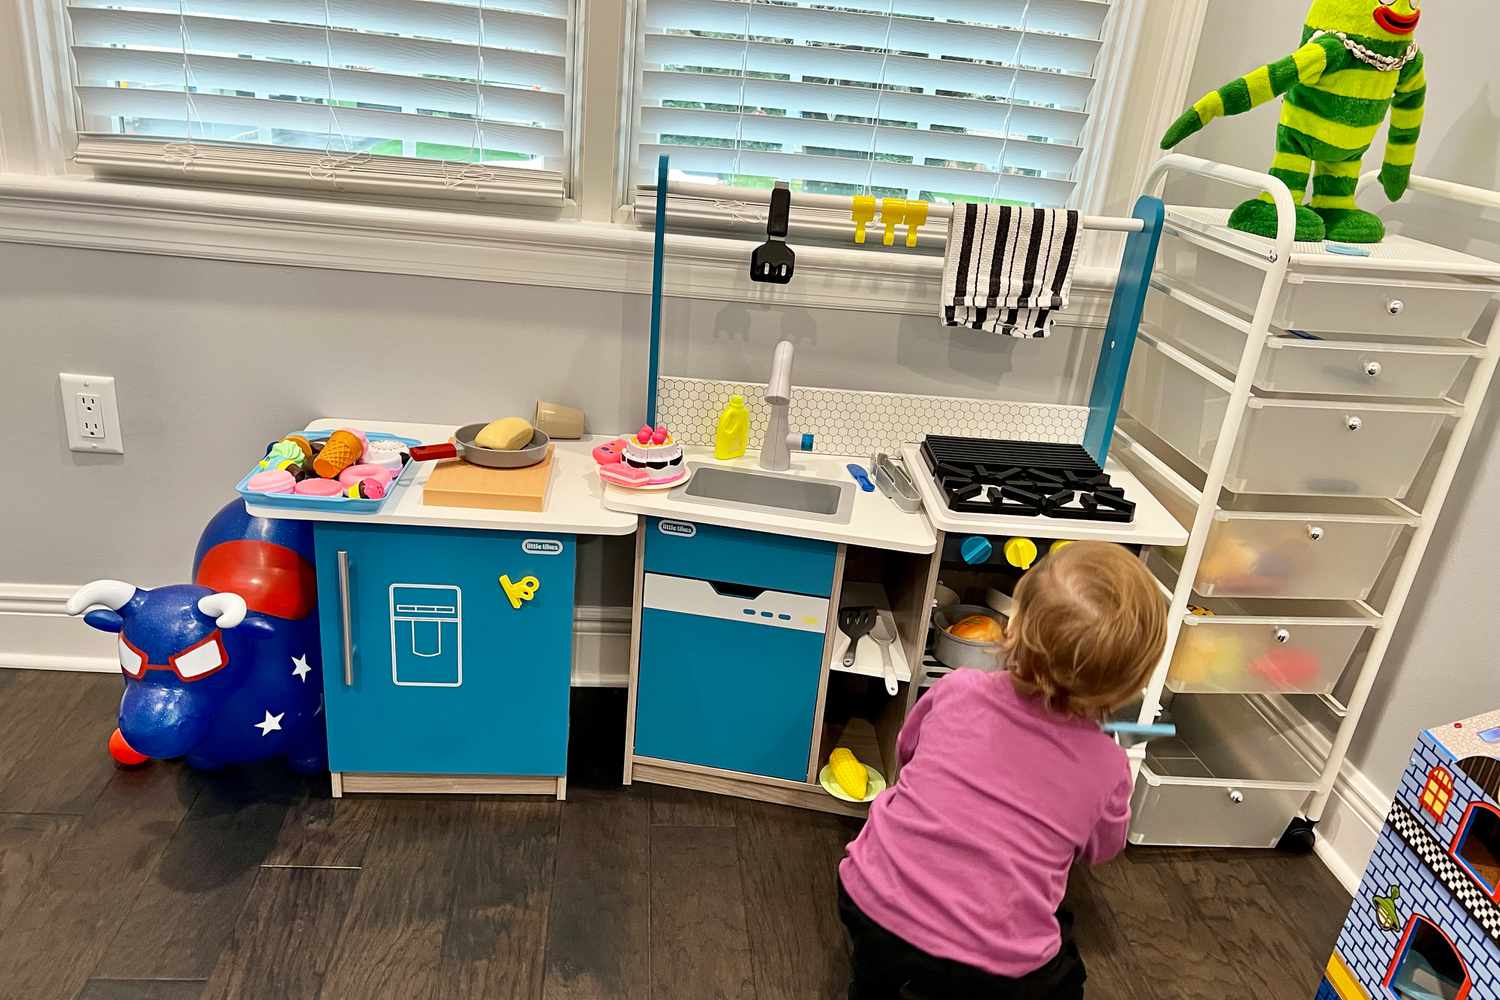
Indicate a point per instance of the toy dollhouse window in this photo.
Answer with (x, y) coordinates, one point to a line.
(1427, 966)
(1438, 792)
(1477, 846)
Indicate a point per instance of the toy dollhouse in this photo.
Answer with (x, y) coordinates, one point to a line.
(1425, 923)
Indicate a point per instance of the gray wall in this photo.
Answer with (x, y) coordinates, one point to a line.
(1443, 664)
(215, 359)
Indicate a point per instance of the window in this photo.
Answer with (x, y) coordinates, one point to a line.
(1477, 846)
(1427, 966)
(1438, 792)
(466, 94)
(940, 100)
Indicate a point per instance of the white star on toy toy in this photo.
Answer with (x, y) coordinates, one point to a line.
(301, 670)
(271, 722)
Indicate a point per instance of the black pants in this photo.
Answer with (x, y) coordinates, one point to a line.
(887, 968)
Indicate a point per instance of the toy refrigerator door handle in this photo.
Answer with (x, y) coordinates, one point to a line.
(347, 630)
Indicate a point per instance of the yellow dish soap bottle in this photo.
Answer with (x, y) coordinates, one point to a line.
(733, 435)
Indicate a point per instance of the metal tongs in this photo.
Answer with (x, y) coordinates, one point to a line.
(895, 483)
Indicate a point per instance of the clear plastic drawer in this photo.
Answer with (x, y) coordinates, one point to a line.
(1297, 647)
(1330, 301)
(1300, 555)
(1231, 778)
(1285, 446)
(1301, 364)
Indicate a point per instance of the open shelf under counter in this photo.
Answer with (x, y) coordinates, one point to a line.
(1152, 525)
(867, 657)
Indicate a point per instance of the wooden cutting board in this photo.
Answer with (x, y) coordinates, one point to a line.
(456, 483)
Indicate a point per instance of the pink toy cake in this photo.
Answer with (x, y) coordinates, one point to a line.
(649, 459)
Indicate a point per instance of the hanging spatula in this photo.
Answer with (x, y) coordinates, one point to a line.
(773, 260)
(856, 623)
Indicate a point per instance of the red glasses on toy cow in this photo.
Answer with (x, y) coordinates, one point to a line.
(202, 658)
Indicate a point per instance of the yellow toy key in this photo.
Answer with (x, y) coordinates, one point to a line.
(863, 213)
(916, 217)
(521, 590)
(892, 214)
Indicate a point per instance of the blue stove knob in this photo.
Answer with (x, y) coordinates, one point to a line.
(976, 550)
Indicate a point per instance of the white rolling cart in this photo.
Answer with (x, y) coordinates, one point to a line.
(1303, 412)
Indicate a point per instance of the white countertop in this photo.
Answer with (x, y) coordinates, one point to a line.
(574, 504)
(874, 521)
(1153, 525)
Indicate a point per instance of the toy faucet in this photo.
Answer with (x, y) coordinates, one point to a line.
(776, 449)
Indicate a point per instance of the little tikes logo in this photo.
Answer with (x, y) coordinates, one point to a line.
(542, 546)
(681, 529)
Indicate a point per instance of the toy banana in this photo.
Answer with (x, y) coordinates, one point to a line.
(1357, 65)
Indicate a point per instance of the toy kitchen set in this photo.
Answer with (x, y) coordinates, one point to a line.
(791, 604)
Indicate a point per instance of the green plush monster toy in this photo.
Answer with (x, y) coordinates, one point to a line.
(1357, 62)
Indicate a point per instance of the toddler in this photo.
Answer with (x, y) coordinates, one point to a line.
(954, 887)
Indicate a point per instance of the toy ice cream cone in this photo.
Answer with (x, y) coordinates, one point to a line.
(342, 450)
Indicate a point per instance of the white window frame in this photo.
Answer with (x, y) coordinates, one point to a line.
(597, 247)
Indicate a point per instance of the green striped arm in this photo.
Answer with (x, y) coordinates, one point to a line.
(1407, 112)
(1306, 65)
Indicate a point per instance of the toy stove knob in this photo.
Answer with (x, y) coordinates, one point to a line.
(1236, 796)
(1395, 307)
(976, 550)
(1314, 532)
(1373, 369)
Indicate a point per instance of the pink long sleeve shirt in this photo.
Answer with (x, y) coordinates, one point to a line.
(966, 857)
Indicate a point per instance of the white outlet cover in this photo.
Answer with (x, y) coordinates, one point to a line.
(102, 386)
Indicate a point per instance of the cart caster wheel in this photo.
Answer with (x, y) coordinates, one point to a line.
(1299, 837)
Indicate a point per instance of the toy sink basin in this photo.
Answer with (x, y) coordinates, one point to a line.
(821, 499)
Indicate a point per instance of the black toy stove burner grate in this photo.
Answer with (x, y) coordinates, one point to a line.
(1024, 479)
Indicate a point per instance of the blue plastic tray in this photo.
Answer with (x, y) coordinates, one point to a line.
(342, 504)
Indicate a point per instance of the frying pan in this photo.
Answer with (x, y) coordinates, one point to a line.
(462, 446)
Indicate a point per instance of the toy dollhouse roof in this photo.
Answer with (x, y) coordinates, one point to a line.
(1476, 737)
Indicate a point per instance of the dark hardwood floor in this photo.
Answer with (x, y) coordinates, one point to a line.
(167, 884)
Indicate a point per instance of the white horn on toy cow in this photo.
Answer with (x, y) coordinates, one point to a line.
(227, 610)
(111, 594)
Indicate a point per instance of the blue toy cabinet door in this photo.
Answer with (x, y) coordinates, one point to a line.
(447, 676)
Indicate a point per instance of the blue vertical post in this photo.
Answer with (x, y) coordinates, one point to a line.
(654, 356)
(1124, 322)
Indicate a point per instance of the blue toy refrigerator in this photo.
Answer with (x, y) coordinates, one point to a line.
(1425, 924)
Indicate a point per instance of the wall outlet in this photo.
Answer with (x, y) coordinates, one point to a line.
(91, 413)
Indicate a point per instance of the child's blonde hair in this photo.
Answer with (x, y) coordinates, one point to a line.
(1088, 628)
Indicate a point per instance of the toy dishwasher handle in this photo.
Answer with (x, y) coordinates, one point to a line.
(344, 618)
(432, 452)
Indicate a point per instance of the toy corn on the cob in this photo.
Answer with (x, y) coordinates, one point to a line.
(849, 773)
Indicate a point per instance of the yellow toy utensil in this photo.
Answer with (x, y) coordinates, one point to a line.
(916, 217)
(892, 214)
(862, 211)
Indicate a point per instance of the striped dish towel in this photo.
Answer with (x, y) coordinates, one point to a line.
(1008, 269)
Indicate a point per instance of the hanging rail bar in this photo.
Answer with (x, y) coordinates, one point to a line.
(759, 197)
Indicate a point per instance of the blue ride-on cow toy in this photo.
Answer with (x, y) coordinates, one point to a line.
(224, 670)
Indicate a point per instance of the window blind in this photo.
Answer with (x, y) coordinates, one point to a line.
(941, 100)
(387, 93)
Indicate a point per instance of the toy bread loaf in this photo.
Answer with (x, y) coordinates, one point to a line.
(506, 434)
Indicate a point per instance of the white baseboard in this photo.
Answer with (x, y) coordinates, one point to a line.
(1356, 811)
(37, 634)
